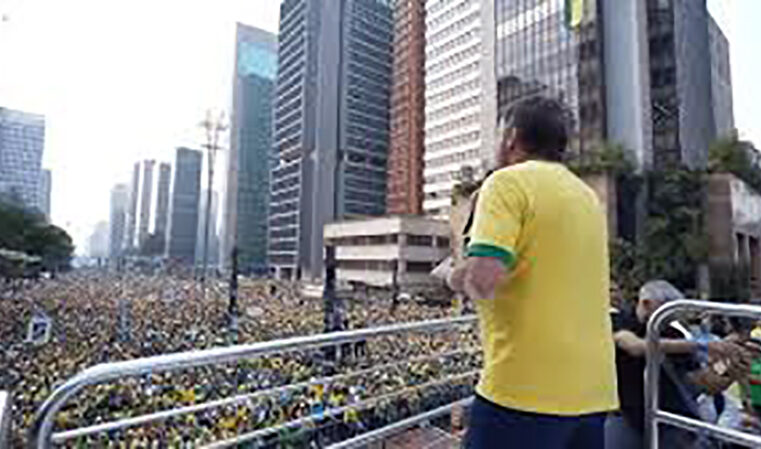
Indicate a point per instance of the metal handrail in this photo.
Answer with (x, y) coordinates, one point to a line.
(5, 418)
(41, 430)
(653, 414)
(336, 411)
(400, 426)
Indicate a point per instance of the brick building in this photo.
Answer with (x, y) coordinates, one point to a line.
(405, 164)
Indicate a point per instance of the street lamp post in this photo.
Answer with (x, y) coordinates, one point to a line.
(213, 127)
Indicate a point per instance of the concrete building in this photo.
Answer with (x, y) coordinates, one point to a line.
(375, 250)
(118, 220)
(404, 194)
(45, 192)
(460, 95)
(183, 221)
(331, 124)
(721, 81)
(161, 218)
(131, 228)
(97, 244)
(249, 162)
(22, 141)
(213, 258)
(146, 195)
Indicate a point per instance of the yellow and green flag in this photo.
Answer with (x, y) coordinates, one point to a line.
(574, 12)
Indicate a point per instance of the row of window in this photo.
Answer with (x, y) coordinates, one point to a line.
(453, 108)
(448, 77)
(390, 239)
(452, 158)
(455, 59)
(454, 43)
(444, 33)
(452, 125)
(464, 5)
(452, 142)
(279, 197)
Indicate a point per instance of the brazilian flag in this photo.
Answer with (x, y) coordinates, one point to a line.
(574, 12)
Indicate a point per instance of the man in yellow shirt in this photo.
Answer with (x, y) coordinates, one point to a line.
(537, 269)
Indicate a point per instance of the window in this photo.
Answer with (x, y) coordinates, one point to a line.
(419, 267)
(419, 240)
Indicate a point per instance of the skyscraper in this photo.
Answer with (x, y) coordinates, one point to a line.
(146, 192)
(22, 141)
(405, 161)
(460, 95)
(45, 191)
(247, 186)
(721, 80)
(162, 200)
(118, 220)
(331, 124)
(129, 240)
(183, 221)
(97, 244)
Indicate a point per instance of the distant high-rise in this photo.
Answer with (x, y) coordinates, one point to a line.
(162, 200)
(146, 192)
(131, 228)
(117, 221)
(405, 160)
(183, 217)
(22, 141)
(45, 191)
(460, 96)
(331, 131)
(213, 258)
(247, 183)
(721, 81)
(98, 242)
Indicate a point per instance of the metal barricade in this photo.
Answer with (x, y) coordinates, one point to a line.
(41, 434)
(653, 414)
(5, 418)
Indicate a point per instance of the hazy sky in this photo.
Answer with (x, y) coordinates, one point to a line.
(124, 80)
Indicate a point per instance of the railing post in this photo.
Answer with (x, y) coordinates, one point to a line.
(5, 419)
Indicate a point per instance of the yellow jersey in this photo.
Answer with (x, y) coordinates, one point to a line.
(546, 334)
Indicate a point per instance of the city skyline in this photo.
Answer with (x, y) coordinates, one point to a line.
(152, 113)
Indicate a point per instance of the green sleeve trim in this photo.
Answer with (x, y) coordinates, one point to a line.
(486, 250)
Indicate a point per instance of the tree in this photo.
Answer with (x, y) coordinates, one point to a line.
(26, 231)
(153, 245)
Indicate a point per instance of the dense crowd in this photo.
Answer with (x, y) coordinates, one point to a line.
(306, 399)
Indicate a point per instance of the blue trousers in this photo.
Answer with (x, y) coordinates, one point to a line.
(494, 427)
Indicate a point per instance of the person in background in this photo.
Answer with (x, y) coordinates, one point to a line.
(681, 382)
(537, 271)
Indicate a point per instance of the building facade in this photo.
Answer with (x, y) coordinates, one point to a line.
(384, 250)
(183, 221)
(131, 227)
(117, 220)
(460, 96)
(97, 243)
(161, 218)
(146, 196)
(213, 246)
(721, 81)
(405, 161)
(249, 162)
(45, 192)
(22, 141)
(331, 129)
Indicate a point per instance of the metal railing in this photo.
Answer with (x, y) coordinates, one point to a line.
(41, 434)
(5, 418)
(653, 414)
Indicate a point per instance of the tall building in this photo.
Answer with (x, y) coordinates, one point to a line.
(690, 81)
(213, 248)
(118, 220)
(460, 103)
(247, 183)
(405, 161)
(22, 141)
(183, 221)
(146, 194)
(131, 228)
(331, 131)
(45, 191)
(97, 244)
(162, 199)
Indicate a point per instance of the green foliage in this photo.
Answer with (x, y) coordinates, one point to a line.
(28, 232)
(610, 158)
(673, 244)
(730, 155)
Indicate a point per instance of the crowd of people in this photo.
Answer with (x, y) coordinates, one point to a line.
(306, 398)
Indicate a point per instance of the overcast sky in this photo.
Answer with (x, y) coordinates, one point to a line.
(125, 80)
